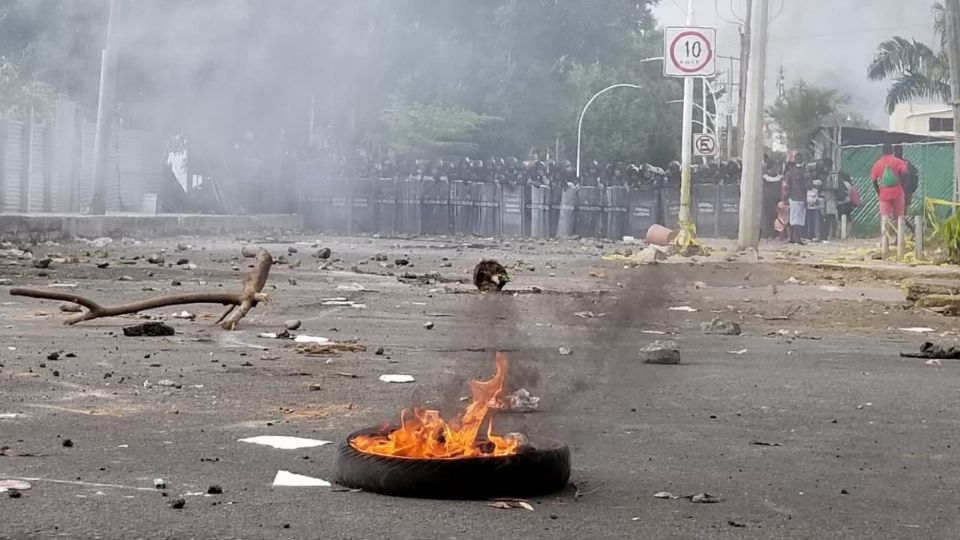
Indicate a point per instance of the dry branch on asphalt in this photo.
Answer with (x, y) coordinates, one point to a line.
(240, 303)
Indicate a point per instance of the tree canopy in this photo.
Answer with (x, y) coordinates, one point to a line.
(805, 107)
(460, 76)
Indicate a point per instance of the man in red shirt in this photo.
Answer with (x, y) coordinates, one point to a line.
(886, 175)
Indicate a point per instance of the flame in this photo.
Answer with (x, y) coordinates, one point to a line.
(424, 434)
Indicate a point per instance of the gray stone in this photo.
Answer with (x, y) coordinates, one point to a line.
(720, 327)
(293, 324)
(661, 352)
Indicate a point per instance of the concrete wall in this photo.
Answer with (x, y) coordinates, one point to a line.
(915, 118)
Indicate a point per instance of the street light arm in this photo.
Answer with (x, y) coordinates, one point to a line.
(584, 112)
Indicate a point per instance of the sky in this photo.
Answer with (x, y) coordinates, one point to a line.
(827, 42)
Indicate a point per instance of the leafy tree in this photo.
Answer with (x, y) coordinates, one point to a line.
(917, 71)
(803, 108)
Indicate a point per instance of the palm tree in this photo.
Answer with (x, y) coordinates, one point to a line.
(916, 70)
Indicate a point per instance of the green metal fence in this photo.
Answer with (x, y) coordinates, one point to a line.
(935, 162)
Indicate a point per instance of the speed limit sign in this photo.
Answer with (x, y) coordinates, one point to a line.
(689, 51)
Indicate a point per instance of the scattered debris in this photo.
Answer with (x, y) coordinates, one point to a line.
(353, 287)
(935, 351)
(735, 523)
(293, 324)
(934, 362)
(720, 327)
(302, 338)
(687, 309)
(490, 276)
(149, 329)
(763, 443)
(283, 334)
(167, 383)
(565, 351)
(185, 315)
(214, 490)
(159, 483)
(289, 479)
(517, 401)
(178, 503)
(917, 329)
(332, 348)
(589, 315)
(284, 443)
(661, 352)
(13, 485)
(665, 495)
(793, 281)
(70, 307)
(830, 288)
(741, 351)
(428, 325)
(393, 378)
(704, 498)
(511, 504)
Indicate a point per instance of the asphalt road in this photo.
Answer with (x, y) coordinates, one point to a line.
(856, 442)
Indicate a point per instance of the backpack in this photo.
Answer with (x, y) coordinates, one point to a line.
(889, 178)
(911, 180)
(854, 196)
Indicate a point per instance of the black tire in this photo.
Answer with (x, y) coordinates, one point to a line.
(532, 472)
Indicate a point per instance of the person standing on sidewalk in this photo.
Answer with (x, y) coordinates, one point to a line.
(886, 174)
(795, 195)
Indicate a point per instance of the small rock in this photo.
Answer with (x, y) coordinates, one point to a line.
(292, 281)
(169, 384)
(158, 483)
(42, 264)
(156, 259)
(293, 324)
(291, 250)
(149, 329)
(214, 490)
(67, 443)
(14, 494)
(661, 352)
(181, 262)
(175, 283)
(178, 504)
(324, 254)
(53, 356)
(565, 351)
(126, 278)
(315, 387)
(720, 327)
(650, 255)
(182, 247)
(705, 498)
(401, 262)
(429, 325)
(379, 351)
(664, 495)
(102, 265)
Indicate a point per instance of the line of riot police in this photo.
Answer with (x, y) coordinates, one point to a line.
(511, 171)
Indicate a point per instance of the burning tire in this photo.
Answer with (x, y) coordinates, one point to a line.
(531, 471)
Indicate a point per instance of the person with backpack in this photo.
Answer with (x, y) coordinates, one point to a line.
(887, 174)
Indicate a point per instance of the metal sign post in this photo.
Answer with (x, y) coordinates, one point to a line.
(689, 52)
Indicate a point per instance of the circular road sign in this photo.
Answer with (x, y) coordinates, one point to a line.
(690, 52)
(705, 144)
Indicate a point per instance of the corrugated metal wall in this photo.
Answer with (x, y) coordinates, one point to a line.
(60, 161)
(12, 165)
(935, 162)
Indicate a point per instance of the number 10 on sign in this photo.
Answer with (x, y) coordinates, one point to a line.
(689, 51)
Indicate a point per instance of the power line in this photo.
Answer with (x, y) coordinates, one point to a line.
(850, 32)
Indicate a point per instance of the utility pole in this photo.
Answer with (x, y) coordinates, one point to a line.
(105, 108)
(750, 186)
(953, 53)
(684, 236)
(744, 67)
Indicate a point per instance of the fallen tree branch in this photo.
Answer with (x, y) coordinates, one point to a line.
(240, 303)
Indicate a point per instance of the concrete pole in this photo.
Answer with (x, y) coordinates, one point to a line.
(750, 186)
(105, 108)
(686, 151)
(744, 67)
(952, 12)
